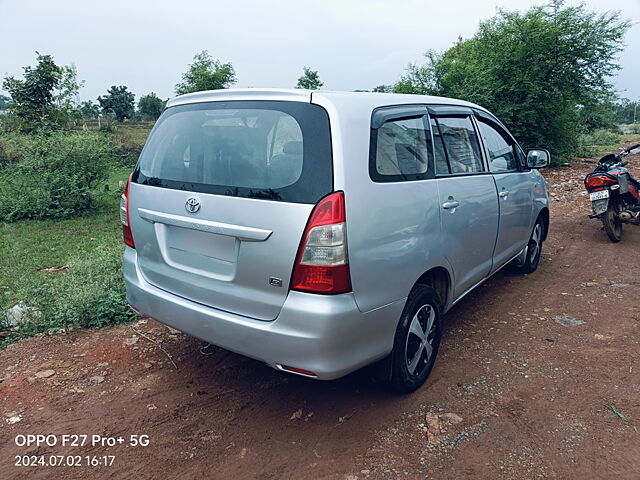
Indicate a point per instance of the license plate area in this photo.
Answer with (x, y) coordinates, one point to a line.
(599, 195)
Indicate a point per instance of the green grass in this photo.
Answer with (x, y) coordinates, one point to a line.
(89, 292)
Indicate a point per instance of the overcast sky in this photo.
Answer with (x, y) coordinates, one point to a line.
(354, 44)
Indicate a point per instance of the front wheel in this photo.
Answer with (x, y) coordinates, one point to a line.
(417, 340)
(612, 222)
(529, 259)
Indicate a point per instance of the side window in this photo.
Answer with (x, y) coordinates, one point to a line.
(439, 153)
(501, 151)
(460, 145)
(401, 150)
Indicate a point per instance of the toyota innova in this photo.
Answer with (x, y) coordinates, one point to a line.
(319, 232)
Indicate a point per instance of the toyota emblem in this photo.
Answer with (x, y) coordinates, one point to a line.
(192, 205)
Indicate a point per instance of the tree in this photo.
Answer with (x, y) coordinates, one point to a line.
(4, 100)
(33, 97)
(118, 102)
(150, 106)
(309, 80)
(206, 73)
(536, 70)
(65, 95)
(383, 89)
(420, 79)
(624, 110)
(89, 109)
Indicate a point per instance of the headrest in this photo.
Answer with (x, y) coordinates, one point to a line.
(292, 148)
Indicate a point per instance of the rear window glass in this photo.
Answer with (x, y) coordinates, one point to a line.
(401, 150)
(257, 149)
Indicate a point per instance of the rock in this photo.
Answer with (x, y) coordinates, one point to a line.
(433, 426)
(97, 379)
(103, 364)
(151, 406)
(14, 419)
(131, 340)
(172, 330)
(45, 373)
(296, 415)
(453, 418)
(567, 320)
(57, 269)
(599, 336)
(21, 313)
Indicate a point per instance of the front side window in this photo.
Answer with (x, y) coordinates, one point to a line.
(256, 149)
(456, 145)
(501, 153)
(401, 150)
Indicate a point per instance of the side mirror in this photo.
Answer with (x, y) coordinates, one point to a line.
(538, 158)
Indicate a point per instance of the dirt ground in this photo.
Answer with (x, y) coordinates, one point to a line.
(520, 390)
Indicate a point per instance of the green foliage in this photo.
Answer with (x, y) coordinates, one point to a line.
(4, 101)
(128, 144)
(420, 79)
(65, 96)
(90, 291)
(51, 176)
(594, 143)
(150, 106)
(543, 72)
(92, 294)
(625, 111)
(118, 101)
(309, 80)
(383, 89)
(33, 98)
(89, 110)
(206, 73)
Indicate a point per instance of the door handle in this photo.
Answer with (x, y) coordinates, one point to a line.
(504, 194)
(451, 204)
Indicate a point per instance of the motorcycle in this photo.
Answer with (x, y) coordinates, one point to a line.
(614, 193)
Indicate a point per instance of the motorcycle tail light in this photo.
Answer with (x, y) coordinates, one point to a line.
(598, 182)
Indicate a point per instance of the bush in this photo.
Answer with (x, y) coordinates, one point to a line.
(53, 176)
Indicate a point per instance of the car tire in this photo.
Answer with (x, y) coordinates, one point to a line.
(533, 250)
(416, 341)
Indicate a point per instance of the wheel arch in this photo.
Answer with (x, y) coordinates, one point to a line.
(440, 280)
(544, 215)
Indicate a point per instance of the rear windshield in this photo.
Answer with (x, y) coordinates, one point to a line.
(256, 149)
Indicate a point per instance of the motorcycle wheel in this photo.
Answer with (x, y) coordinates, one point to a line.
(612, 222)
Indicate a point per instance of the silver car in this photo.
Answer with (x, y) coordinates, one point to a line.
(320, 232)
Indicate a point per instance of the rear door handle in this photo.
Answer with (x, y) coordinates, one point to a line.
(504, 194)
(451, 204)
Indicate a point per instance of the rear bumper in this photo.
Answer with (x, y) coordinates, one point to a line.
(326, 335)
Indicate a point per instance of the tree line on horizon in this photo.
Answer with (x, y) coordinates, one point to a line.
(545, 72)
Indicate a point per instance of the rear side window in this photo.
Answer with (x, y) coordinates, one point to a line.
(502, 156)
(455, 137)
(401, 150)
(256, 149)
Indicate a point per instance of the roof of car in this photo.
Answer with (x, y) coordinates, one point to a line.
(354, 99)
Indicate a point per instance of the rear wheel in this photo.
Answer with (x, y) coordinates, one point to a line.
(417, 340)
(612, 222)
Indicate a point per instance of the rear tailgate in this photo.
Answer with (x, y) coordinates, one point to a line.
(221, 196)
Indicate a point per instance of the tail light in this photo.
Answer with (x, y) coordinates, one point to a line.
(321, 264)
(599, 181)
(124, 217)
